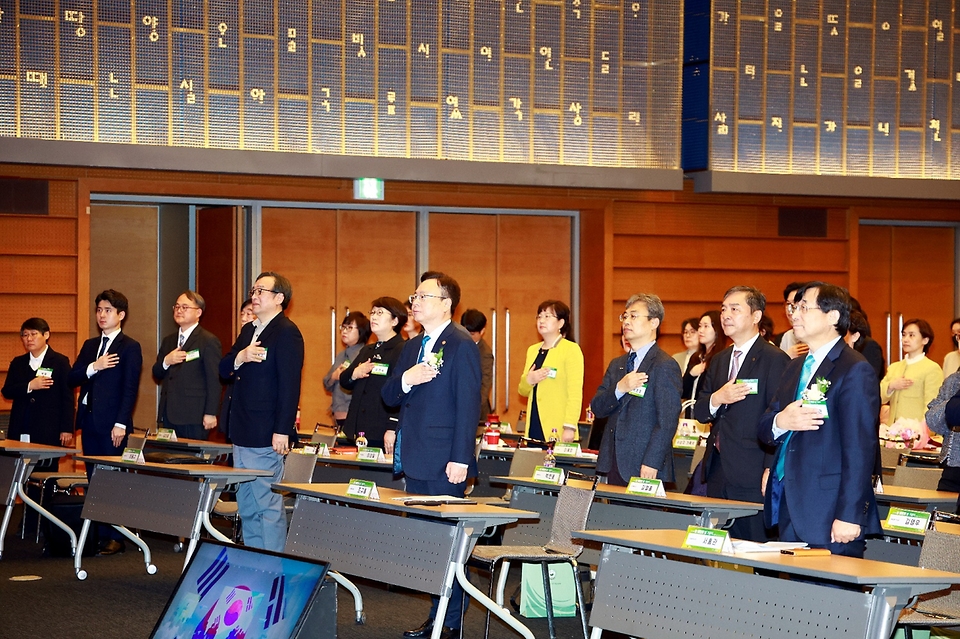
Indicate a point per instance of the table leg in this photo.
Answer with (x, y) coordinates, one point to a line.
(191, 547)
(3, 528)
(78, 556)
(216, 534)
(488, 603)
(46, 513)
(361, 618)
(595, 633)
(141, 544)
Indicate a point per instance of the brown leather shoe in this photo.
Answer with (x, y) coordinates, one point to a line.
(111, 547)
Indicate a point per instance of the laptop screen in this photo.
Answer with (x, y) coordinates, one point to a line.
(231, 591)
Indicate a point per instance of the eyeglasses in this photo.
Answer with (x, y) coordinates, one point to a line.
(633, 317)
(691, 331)
(257, 291)
(348, 327)
(377, 312)
(182, 307)
(419, 297)
(546, 315)
(801, 308)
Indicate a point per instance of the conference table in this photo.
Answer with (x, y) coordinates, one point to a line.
(421, 547)
(203, 449)
(342, 466)
(665, 590)
(172, 499)
(898, 546)
(495, 462)
(17, 461)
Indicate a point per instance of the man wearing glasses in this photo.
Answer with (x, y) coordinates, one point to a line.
(640, 393)
(823, 422)
(186, 370)
(264, 364)
(436, 383)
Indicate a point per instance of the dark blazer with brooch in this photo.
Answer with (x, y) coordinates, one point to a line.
(42, 414)
(189, 390)
(438, 419)
(743, 458)
(486, 377)
(827, 472)
(111, 393)
(368, 413)
(640, 429)
(265, 394)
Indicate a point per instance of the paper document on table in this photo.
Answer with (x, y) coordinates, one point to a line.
(427, 500)
(743, 545)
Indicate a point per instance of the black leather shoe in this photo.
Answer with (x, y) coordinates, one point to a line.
(449, 633)
(111, 547)
(423, 631)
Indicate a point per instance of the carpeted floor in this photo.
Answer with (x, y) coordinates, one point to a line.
(119, 600)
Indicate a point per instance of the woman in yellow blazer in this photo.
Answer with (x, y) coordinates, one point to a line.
(554, 376)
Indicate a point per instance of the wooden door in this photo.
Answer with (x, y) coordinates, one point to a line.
(220, 271)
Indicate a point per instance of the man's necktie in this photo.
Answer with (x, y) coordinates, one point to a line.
(631, 361)
(180, 341)
(735, 367)
(103, 347)
(805, 374)
(423, 348)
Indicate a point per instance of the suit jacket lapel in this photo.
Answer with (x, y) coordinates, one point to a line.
(647, 361)
(191, 341)
(749, 359)
(114, 345)
(269, 328)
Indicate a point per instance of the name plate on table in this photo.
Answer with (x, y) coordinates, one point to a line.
(915, 521)
(362, 489)
(686, 442)
(133, 455)
(323, 450)
(166, 435)
(640, 486)
(567, 450)
(370, 454)
(548, 475)
(708, 539)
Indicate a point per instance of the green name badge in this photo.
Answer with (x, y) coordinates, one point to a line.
(44, 372)
(567, 450)
(708, 540)
(133, 455)
(548, 475)
(370, 454)
(915, 521)
(362, 489)
(323, 450)
(753, 384)
(640, 391)
(686, 442)
(552, 373)
(192, 355)
(651, 487)
(380, 369)
(821, 407)
(166, 435)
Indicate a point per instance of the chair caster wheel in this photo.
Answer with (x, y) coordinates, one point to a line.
(81, 574)
(151, 569)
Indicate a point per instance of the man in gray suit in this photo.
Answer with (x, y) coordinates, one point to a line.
(640, 394)
(186, 370)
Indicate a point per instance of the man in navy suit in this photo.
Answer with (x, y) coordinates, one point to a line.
(819, 490)
(186, 369)
(264, 365)
(37, 384)
(732, 395)
(436, 383)
(640, 393)
(107, 370)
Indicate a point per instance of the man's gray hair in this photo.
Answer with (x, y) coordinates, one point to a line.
(652, 302)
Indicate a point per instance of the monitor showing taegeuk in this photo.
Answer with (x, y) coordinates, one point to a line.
(231, 591)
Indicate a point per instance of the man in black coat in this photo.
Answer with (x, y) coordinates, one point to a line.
(186, 369)
(37, 384)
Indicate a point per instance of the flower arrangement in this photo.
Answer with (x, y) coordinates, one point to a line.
(817, 391)
(902, 433)
(435, 359)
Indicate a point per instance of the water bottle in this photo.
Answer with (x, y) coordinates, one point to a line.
(550, 460)
(361, 440)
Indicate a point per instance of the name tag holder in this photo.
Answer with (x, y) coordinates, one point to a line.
(381, 369)
(44, 372)
(370, 454)
(639, 391)
(640, 486)
(708, 540)
(567, 450)
(133, 455)
(915, 521)
(753, 384)
(192, 355)
(166, 435)
(362, 489)
(821, 407)
(548, 475)
(686, 442)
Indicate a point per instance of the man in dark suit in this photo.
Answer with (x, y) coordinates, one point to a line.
(107, 370)
(640, 393)
(436, 383)
(732, 394)
(37, 384)
(186, 370)
(476, 323)
(264, 365)
(819, 490)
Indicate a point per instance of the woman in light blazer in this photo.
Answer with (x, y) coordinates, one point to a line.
(554, 376)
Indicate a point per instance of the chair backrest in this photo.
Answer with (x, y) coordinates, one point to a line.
(525, 461)
(298, 468)
(940, 551)
(890, 457)
(323, 434)
(910, 477)
(569, 515)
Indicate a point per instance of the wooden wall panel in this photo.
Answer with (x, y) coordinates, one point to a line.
(874, 292)
(465, 247)
(59, 311)
(218, 271)
(38, 274)
(124, 256)
(37, 235)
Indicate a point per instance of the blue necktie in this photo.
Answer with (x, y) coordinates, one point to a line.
(805, 374)
(631, 361)
(103, 347)
(423, 348)
(180, 341)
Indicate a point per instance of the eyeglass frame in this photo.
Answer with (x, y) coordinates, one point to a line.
(802, 310)
(624, 317)
(181, 307)
(253, 291)
(422, 296)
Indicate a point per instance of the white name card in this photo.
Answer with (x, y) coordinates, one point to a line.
(915, 521)
(166, 435)
(567, 450)
(548, 475)
(133, 455)
(686, 442)
(708, 539)
(362, 489)
(370, 454)
(640, 486)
